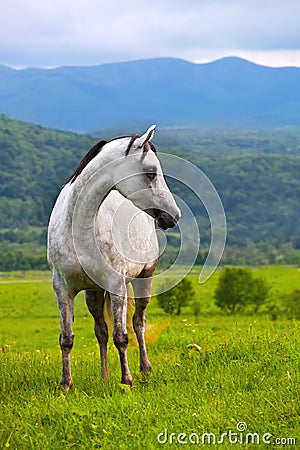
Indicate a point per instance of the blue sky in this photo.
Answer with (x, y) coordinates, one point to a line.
(49, 33)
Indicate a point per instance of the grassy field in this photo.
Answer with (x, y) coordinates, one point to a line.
(209, 381)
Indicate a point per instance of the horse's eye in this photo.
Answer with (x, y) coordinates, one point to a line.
(151, 175)
(150, 172)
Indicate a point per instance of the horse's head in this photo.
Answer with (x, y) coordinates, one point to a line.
(144, 182)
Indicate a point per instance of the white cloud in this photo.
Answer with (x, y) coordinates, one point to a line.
(277, 58)
(63, 32)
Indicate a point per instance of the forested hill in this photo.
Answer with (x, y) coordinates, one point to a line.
(257, 176)
(35, 162)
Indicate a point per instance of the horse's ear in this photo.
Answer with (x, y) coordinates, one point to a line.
(141, 141)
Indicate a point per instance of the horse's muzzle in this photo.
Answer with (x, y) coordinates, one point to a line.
(164, 219)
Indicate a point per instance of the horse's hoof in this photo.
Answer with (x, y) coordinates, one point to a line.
(126, 384)
(125, 388)
(145, 369)
(66, 386)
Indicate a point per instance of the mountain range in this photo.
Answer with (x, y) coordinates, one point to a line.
(230, 92)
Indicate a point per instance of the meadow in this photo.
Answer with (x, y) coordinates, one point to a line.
(226, 380)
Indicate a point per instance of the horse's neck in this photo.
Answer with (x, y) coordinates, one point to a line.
(89, 189)
(96, 166)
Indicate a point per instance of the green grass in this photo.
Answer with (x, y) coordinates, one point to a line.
(244, 369)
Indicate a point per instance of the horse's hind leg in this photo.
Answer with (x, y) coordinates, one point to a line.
(95, 304)
(65, 302)
(142, 292)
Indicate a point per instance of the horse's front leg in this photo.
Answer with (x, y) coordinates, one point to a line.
(142, 292)
(95, 304)
(65, 302)
(120, 336)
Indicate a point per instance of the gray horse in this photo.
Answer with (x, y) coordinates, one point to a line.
(101, 236)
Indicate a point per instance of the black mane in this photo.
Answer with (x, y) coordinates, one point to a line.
(85, 160)
(96, 149)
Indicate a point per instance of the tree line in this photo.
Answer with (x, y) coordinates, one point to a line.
(237, 291)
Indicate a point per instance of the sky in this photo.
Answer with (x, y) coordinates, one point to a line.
(51, 33)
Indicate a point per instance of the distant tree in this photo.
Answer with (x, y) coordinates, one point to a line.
(292, 305)
(260, 291)
(287, 305)
(275, 308)
(174, 299)
(238, 289)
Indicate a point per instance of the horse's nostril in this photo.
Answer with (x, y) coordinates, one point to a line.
(164, 219)
(177, 216)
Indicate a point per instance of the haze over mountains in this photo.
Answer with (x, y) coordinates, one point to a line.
(170, 92)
